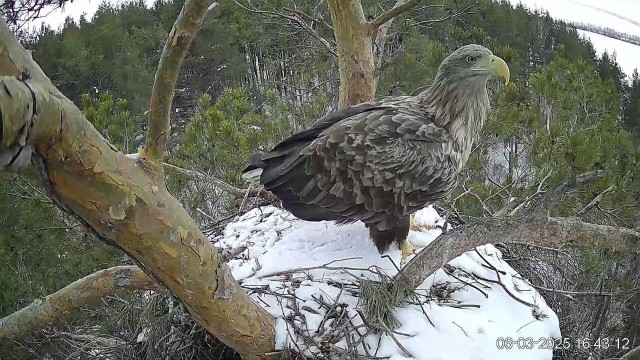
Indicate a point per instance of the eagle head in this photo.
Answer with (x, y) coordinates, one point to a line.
(473, 63)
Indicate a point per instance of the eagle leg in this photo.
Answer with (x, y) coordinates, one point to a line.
(407, 250)
(413, 225)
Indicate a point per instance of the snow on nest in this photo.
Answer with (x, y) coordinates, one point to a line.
(305, 275)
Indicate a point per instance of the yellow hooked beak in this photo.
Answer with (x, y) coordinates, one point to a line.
(499, 67)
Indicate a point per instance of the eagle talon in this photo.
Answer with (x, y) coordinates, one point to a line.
(407, 250)
(358, 162)
(413, 225)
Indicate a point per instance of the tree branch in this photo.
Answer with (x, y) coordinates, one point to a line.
(296, 17)
(634, 354)
(595, 200)
(550, 232)
(577, 182)
(125, 200)
(229, 189)
(182, 34)
(393, 12)
(83, 292)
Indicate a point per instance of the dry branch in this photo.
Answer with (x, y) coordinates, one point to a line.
(125, 200)
(229, 189)
(296, 17)
(83, 292)
(554, 232)
(400, 8)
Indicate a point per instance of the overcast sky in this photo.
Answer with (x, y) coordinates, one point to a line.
(569, 10)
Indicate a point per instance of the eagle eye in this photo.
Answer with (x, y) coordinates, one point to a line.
(471, 59)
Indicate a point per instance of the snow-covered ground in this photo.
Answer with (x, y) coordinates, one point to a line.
(300, 270)
(620, 15)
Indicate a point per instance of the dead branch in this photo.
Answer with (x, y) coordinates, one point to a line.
(554, 232)
(539, 190)
(634, 354)
(400, 8)
(83, 292)
(230, 189)
(577, 182)
(182, 34)
(296, 17)
(595, 200)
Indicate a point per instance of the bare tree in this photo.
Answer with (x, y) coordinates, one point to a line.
(20, 12)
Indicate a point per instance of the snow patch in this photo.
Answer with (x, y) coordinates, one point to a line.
(306, 274)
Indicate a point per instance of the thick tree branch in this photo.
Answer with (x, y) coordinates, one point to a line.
(400, 8)
(83, 292)
(125, 201)
(634, 354)
(555, 232)
(182, 34)
(356, 63)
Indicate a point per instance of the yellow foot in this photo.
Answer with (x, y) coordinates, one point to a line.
(413, 225)
(407, 250)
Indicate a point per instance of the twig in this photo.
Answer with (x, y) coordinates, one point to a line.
(505, 289)
(525, 325)
(539, 190)
(595, 201)
(447, 269)
(465, 333)
(325, 266)
(392, 13)
(296, 18)
(393, 336)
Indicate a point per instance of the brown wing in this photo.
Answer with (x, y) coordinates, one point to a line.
(377, 162)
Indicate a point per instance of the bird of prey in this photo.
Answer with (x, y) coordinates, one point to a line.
(380, 161)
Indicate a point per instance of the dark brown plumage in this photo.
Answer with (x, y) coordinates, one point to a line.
(380, 161)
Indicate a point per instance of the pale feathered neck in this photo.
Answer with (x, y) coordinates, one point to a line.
(452, 100)
(460, 106)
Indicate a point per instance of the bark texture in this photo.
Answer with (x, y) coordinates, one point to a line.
(125, 200)
(555, 232)
(358, 58)
(354, 39)
(83, 292)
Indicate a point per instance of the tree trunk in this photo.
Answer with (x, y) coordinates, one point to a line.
(123, 199)
(356, 63)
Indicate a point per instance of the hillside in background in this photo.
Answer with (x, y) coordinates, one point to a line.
(618, 18)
